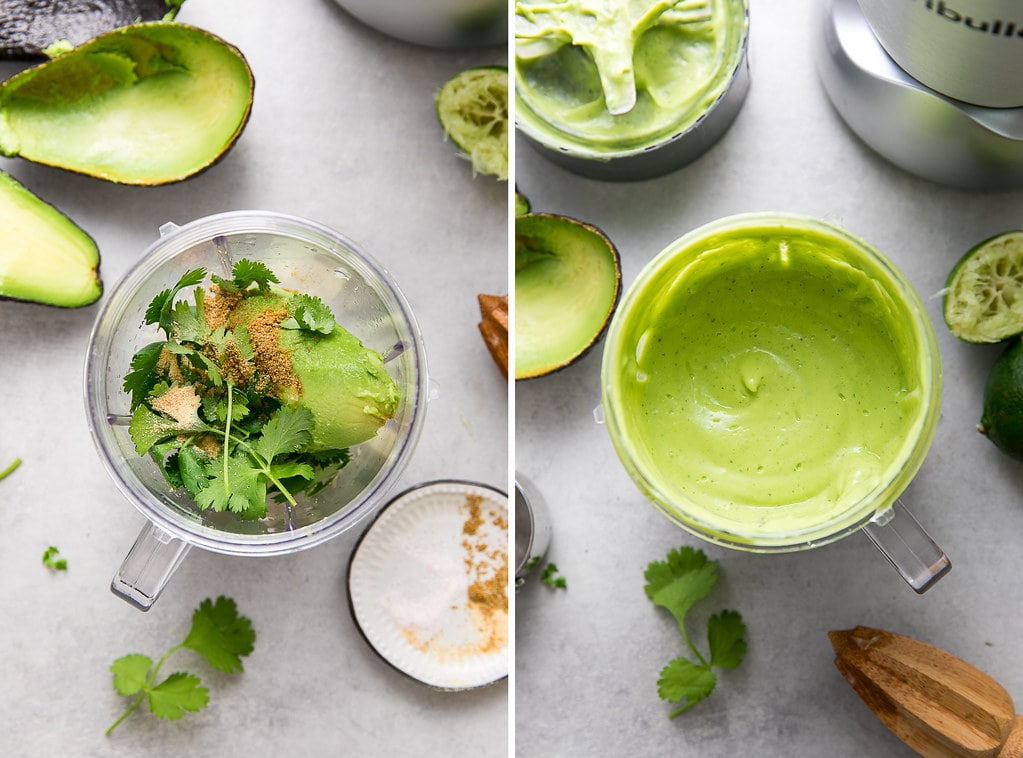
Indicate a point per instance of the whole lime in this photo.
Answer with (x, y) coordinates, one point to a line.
(1002, 417)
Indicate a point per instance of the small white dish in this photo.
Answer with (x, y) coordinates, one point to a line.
(428, 584)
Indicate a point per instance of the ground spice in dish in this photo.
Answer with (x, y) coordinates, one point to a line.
(488, 571)
(481, 603)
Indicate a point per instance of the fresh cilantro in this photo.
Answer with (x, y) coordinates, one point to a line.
(246, 273)
(310, 313)
(288, 430)
(218, 634)
(161, 309)
(10, 468)
(52, 560)
(238, 443)
(143, 376)
(548, 577)
(677, 584)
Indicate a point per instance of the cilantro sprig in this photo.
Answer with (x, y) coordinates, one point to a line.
(677, 584)
(203, 407)
(218, 633)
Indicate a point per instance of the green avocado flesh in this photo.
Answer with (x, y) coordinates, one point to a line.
(567, 283)
(343, 383)
(44, 256)
(145, 104)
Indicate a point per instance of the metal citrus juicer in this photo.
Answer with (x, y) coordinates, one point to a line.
(938, 704)
(934, 86)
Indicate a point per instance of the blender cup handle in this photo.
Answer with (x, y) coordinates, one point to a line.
(908, 547)
(148, 566)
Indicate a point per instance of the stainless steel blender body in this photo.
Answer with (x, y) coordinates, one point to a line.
(970, 50)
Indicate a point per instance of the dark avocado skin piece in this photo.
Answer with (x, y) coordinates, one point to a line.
(27, 27)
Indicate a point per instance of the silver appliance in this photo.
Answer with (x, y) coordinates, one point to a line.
(935, 87)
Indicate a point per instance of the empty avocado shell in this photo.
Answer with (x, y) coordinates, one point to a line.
(567, 285)
(44, 256)
(145, 104)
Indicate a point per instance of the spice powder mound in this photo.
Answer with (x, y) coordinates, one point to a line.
(483, 598)
(487, 568)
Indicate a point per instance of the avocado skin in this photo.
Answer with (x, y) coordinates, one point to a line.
(38, 249)
(28, 27)
(542, 235)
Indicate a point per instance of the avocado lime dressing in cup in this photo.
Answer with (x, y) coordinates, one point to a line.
(773, 383)
(628, 89)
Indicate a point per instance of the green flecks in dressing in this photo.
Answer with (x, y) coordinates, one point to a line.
(774, 384)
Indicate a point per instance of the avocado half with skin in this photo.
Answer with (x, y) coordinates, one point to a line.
(568, 282)
(44, 256)
(145, 104)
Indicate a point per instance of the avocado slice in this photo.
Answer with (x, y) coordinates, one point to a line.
(44, 256)
(145, 104)
(567, 285)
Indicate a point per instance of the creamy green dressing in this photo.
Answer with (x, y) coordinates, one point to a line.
(599, 77)
(772, 382)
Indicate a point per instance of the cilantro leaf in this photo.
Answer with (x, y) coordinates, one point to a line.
(245, 273)
(189, 324)
(679, 582)
(548, 577)
(242, 491)
(311, 314)
(288, 430)
(248, 272)
(160, 309)
(289, 469)
(682, 678)
(131, 673)
(192, 471)
(725, 633)
(51, 559)
(143, 376)
(176, 694)
(220, 635)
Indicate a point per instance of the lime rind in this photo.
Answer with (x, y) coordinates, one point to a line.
(1002, 417)
(983, 299)
(472, 108)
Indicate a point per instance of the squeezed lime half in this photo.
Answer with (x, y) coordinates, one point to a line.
(472, 107)
(984, 293)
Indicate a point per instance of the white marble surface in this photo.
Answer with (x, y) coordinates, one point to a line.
(342, 132)
(588, 659)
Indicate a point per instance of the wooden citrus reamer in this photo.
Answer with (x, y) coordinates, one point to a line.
(936, 703)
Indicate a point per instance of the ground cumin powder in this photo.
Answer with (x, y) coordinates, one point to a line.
(487, 567)
(486, 594)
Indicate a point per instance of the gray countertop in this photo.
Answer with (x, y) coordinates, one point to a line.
(588, 657)
(342, 132)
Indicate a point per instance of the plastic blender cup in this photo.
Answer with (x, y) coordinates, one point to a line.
(306, 257)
